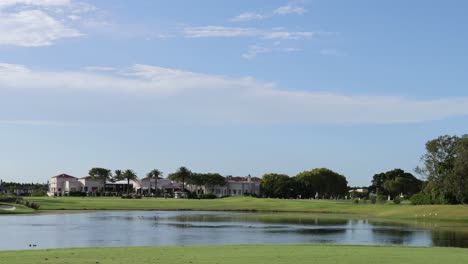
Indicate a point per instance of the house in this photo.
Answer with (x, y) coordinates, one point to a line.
(89, 184)
(63, 184)
(151, 185)
(234, 186)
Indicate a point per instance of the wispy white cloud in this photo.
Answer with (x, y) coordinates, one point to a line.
(99, 68)
(219, 31)
(182, 96)
(287, 35)
(32, 28)
(290, 9)
(255, 50)
(37, 3)
(34, 23)
(248, 16)
(230, 32)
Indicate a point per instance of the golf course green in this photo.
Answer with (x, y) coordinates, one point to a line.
(251, 254)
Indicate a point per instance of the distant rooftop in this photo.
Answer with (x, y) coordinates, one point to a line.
(64, 176)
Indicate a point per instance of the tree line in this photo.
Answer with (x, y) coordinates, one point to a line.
(316, 183)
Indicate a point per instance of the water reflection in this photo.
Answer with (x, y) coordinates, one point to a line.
(449, 239)
(134, 228)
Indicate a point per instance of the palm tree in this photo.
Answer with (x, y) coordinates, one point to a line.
(181, 175)
(101, 174)
(155, 173)
(129, 175)
(118, 175)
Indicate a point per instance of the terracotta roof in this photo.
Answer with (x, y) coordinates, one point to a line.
(63, 175)
(86, 177)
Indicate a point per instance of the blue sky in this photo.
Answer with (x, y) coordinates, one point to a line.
(236, 87)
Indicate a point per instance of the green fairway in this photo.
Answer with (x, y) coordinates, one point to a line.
(251, 254)
(453, 213)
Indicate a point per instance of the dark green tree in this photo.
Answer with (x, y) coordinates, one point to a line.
(395, 182)
(101, 174)
(181, 175)
(276, 185)
(323, 181)
(444, 166)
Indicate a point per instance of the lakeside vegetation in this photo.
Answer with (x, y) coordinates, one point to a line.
(455, 213)
(253, 254)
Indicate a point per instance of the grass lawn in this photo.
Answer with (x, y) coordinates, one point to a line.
(20, 209)
(452, 213)
(248, 254)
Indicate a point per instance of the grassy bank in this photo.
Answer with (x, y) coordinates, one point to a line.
(455, 213)
(251, 254)
(19, 209)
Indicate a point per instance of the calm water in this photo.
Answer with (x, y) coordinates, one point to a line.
(148, 228)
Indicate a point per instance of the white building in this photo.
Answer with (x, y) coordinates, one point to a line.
(234, 186)
(149, 185)
(63, 184)
(89, 184)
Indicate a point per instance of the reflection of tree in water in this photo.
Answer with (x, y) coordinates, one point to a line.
(445, 238)
(392, 235)
(274, 219)
(311, 231)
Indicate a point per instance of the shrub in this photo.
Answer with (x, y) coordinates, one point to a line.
(420, 198)
(208, 196)
(10, 199)
(397, 200)
(373, 199)
(34, 206)
(38, 193)
(381, 199)
(356, 201)
(125, 196)
(77, 194)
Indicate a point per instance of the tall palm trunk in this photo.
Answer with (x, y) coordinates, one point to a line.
(128, 185)
(156, 186)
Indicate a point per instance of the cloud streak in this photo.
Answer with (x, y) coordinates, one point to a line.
(231, 32)
(152, 94)
(289, 9)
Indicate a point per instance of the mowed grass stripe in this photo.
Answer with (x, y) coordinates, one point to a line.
(235, 254)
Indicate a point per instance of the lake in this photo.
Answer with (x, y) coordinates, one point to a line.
(157, 228)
